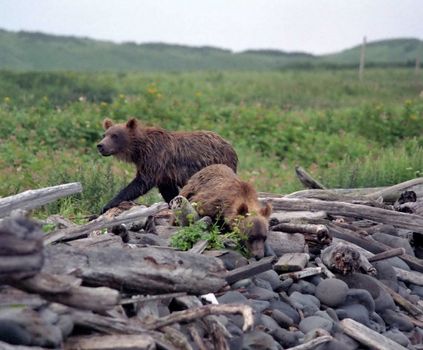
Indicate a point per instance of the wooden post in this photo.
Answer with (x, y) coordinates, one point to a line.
(362, 58)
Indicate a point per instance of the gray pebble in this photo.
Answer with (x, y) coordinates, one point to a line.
(398, 337)
(360, 296)
(302, 287)
(332, 292)
(267, 322)
(246, 282)
(263, 284)
(232, 297)
(282, 319)
(258, 305)
(309, 304)
(258, 340)
(286, 309)
(255, 292)
(272, 277)
(310, 323)
(397, 320)
(285, 338)
(357, 312)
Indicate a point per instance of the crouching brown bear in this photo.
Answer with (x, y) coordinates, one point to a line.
(163, 159)
(219, 193)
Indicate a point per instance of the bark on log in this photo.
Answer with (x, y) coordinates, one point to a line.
(21, 249)
(307, 272)
(409, 276)
(66, 290)
(36, 198)
(306, 179)
(407, 221)
(205, 310)
(103, 222)
(142, 271)
(111, 342)
(7, 346)
(392, 193)
(368, 337)
(372, 245)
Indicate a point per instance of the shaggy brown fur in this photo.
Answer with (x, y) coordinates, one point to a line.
(220, 194)
(164, 159)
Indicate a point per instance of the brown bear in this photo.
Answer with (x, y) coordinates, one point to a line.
(163, 158)
(220, 194)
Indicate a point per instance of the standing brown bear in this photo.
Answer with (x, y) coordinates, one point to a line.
(163, 158)
(220, 194)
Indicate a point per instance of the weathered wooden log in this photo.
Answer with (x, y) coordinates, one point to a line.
(388, 254)
(345, 259)
(103, 222)
(392, 193)
(407, 221)
(299, 216)
(290, 262)
(306, 179)
(328, 273)
(66, 290)
(409, 276)
(249, 270)
(205, 310)
(36, 198)
(311, 344)
(371, 245)
(316, 236)
(198, 340)
(367, 336)
(142, 271)
(111, 342)
(7, 346)
(307, 272)
(21, 249)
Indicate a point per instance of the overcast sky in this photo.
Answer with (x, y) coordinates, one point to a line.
(315, 26)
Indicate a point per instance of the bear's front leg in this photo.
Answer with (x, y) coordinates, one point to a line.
(137, 187)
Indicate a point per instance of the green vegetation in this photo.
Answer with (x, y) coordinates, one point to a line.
(187, 236)
(345, 133)
(44, 52)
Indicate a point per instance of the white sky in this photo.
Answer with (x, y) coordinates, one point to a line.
(315, 26)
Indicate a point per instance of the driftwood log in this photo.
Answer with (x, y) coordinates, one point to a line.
(36, 198)
(144, 270)
(306, 179)
(81, 231)
(21, 248)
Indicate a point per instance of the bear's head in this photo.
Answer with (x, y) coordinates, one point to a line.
(117, 138)
(255, 227)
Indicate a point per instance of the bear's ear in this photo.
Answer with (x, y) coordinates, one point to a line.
(242, 209)
(107, 123)
(131, 123)
(266, 211)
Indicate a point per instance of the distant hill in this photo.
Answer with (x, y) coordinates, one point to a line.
(391, 51)
(38, 51)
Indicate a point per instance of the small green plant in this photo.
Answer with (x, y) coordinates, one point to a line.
(187, 236)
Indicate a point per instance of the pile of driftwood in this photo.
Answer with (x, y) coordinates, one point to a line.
(344, 268)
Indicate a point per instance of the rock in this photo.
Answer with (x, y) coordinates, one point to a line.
(303, 287)
(312, 322)
(282, 319)
(361, 281)
(258, 305)
(284, 286)
(263, 284)
(258, 293)
(246, 282)
(146, 239)
(398, 337)
(360, 296)
(232, 297)
(267, 322)
(286, 309)
(272, 277)
(384, 301)
(285, 338)
(282, 243)
(394, 242)
(357, 312)
(258, 340)
(232, 259)
(397, 320)
(309, 304)
(332, 292)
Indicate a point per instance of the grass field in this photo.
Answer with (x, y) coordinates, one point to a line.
(346, 133)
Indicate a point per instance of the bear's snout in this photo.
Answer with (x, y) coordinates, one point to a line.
(102, 149)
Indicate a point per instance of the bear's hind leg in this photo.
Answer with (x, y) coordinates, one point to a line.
(168, 191)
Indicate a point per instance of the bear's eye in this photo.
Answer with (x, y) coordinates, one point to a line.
(113, 136)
